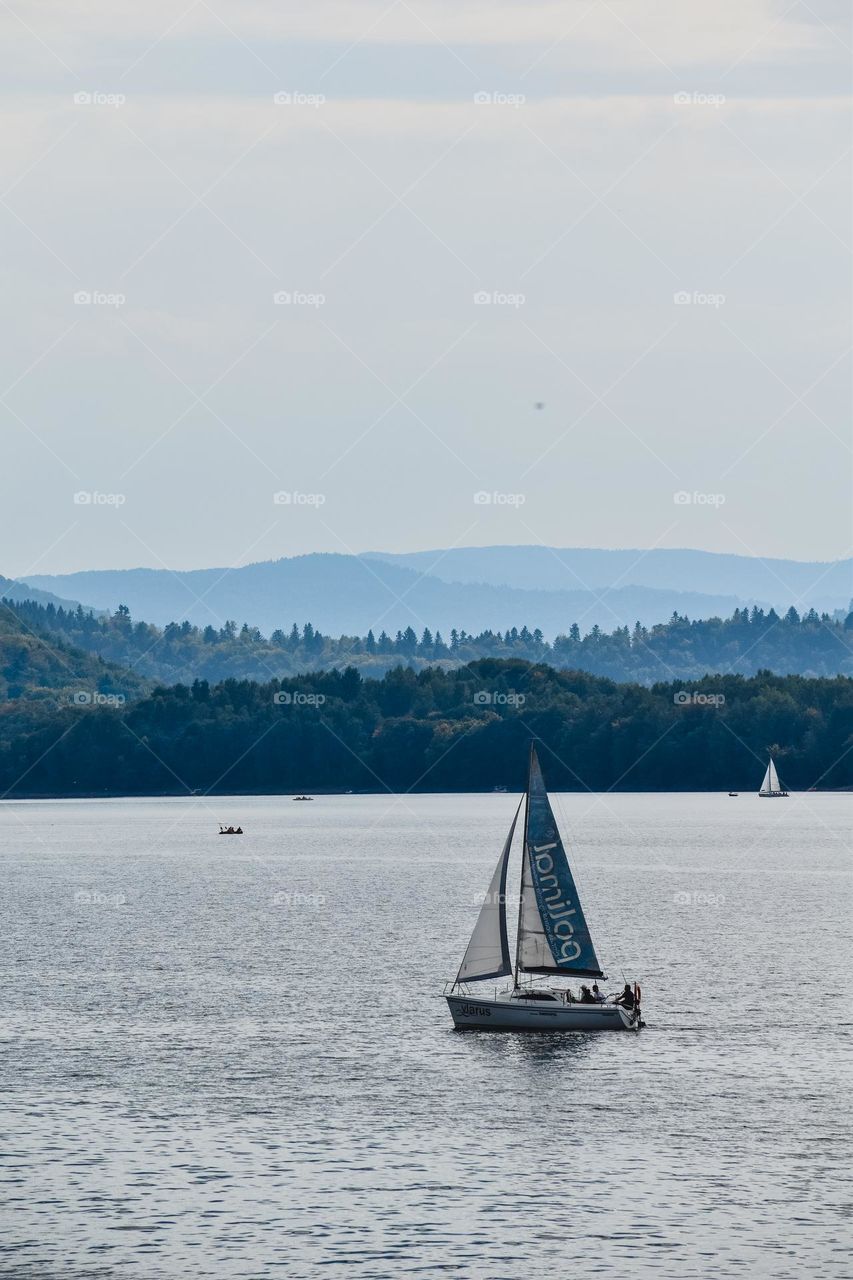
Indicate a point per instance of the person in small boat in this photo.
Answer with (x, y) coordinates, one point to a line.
(568, 995)
(586, 996)
(597, 995)
(239, 831)
(626, 999)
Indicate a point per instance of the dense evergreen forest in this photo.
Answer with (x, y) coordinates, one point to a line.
(42, 665)
(434, 730)
(748, 642)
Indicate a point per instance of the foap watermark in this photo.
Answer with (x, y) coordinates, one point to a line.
(93, 498)
(296, 898)
(96, 98)
(296, 98)
(497, 98)
(686, 298)
(94, 898)
(490, 899)
(93, 698)
(684, 499)
(97, 298)
(493, 698)
(698, 899)
(295, 298)
(293, 498)
(496, 298)
(494, 499)
(698, 99)
(686, 698)
(286, 698)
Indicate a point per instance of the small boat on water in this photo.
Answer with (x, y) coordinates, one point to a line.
(303, 797)
(553, 938)
(229, 831)
(733, 793)
(771, 786)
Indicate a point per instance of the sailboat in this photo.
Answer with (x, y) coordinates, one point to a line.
(771, 786)
(553, 938)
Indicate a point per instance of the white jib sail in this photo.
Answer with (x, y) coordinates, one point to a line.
(487, 955)
(771, 780)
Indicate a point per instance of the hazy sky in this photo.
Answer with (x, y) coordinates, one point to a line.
(626, 153)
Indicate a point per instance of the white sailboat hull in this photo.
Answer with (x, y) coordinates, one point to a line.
(489, 1014)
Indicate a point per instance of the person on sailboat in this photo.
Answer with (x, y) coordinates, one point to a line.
(626, 999)
(598, 996)
(586, 996)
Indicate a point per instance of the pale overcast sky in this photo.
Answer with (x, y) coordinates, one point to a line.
(626, 153)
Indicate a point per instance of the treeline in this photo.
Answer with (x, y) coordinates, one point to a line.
(40, 665)
(751, 640)
(436, 730)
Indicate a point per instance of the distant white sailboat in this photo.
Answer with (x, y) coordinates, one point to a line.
(553, 938)
(771, 786)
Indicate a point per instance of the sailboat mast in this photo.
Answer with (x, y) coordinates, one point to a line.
(521, 876)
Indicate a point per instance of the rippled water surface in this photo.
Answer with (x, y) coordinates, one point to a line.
(231, 1058)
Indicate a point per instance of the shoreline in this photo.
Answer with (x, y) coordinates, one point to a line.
(318, 793)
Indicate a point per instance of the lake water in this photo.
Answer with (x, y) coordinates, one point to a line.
(231, 1058)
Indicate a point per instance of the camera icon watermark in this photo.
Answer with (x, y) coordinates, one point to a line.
(294, 498)
(97, 298)
(495, 499)
(684, 499)
(296, 98)
(485, 98)
(295, 298)
(95, 98)
(699, 899)
(93, 698)
(284, 698)
(496, 298)
(494, 698)
(698, 99)
(685, 298)
(93, 498)
(296, 898)
(684, 698)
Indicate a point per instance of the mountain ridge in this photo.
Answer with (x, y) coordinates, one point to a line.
(820, 583)
(471, 588)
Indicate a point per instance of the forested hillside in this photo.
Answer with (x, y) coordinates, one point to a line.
(466, 729)
(41, 665)
(747, 642)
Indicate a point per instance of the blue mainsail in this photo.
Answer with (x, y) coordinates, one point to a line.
(553, 936)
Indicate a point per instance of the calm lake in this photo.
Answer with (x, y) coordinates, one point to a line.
(229, 1057)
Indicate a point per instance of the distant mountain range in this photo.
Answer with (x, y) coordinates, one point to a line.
(826, 585)
(474, 588)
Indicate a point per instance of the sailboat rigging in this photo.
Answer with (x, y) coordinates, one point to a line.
(552, 938)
